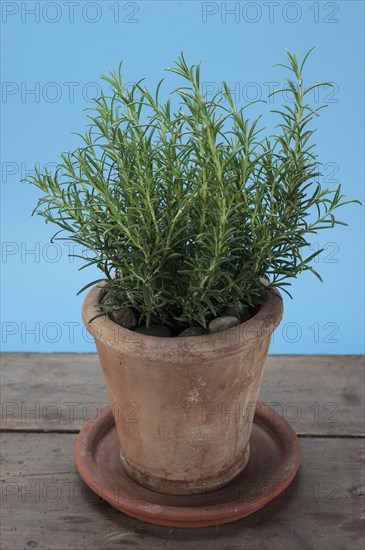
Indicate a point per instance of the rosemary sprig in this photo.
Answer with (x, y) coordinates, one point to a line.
(184, 211)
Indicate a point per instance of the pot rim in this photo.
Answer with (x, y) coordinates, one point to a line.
(157, 348)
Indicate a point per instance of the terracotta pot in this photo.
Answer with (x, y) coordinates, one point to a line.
(183, 407)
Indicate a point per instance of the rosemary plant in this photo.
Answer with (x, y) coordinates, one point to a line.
(185, 210)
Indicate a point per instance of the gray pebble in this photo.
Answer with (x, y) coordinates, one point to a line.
(154, 330)
(124, 317)
(223, 323)
(243, 311)
(192, 331)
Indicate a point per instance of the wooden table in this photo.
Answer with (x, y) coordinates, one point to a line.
(45, 504)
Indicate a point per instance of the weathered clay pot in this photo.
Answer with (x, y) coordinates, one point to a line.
(183, 407)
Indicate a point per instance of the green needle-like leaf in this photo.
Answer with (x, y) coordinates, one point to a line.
(183, 211)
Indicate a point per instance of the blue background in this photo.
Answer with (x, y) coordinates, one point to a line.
(60, 56)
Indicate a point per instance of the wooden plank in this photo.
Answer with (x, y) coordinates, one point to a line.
(45, 505)
(47, 392)
(318, 395)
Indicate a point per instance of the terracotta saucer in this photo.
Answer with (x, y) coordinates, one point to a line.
(274, 460)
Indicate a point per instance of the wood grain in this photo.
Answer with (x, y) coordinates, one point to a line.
(45, 504)
(319, 395)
